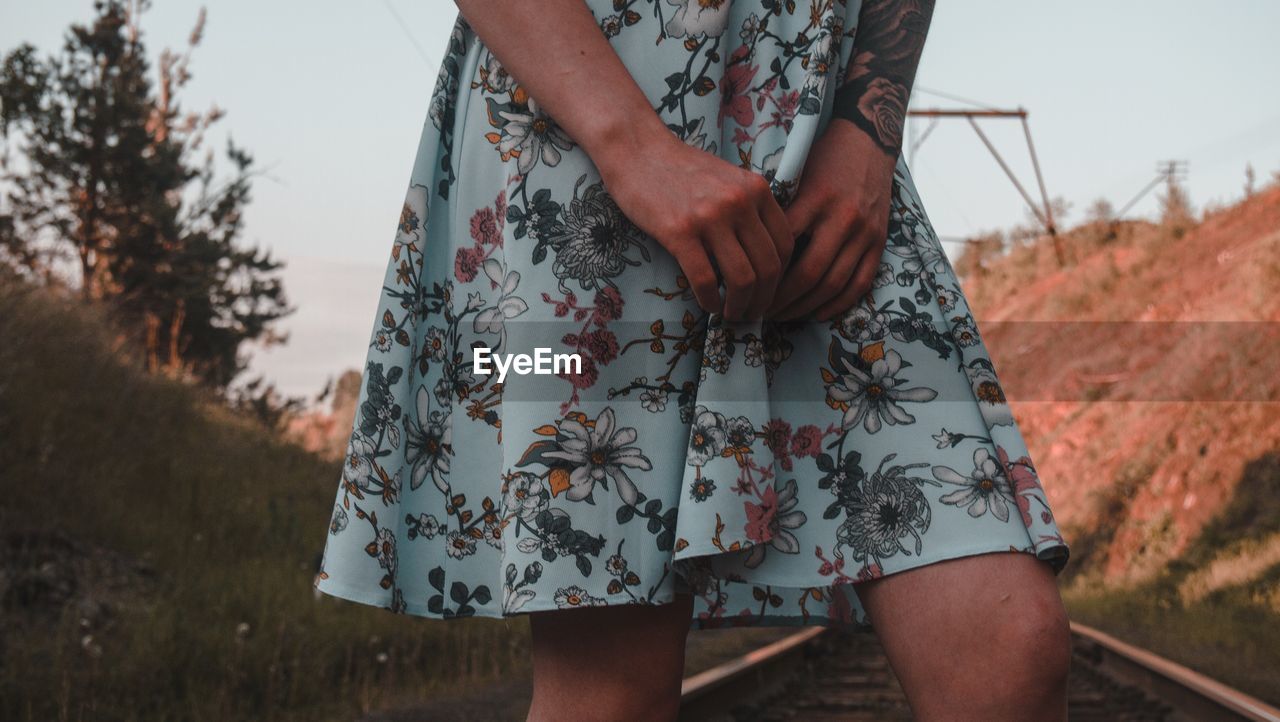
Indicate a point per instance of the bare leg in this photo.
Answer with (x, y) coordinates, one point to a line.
(983, 637)
(609, 663)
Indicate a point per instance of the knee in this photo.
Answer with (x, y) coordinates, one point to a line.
(1036, 646)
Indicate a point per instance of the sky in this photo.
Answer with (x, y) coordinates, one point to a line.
(330, 97)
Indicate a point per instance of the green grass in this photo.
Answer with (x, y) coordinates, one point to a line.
(150, 496)
(224, 523)
(1233, 634)
(1229, 636)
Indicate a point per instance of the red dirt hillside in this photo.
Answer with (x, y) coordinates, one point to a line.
(1141, 431)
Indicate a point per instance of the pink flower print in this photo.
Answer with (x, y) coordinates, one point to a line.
(777, 435)
(602, 345)
(1025, 482)
(500, 210)
(734, 90)
(760, 516)
(467, 263)
(586, 379)
(484, 227)
(807, 441)
(608, 305)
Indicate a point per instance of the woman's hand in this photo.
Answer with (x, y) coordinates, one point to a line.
(842, 203)
(699, 207)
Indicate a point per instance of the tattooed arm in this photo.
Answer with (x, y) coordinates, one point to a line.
(840, 213)
(890, 38)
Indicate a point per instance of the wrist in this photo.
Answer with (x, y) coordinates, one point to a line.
(861, 143)
(612, 141)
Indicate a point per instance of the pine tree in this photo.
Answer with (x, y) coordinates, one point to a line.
(103, 175)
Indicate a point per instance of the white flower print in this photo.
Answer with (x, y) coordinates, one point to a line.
(708, 437)
(654, 400)
(338, 521)
(514, 599)
(863, 325)
(965, 334)
(946, 438)
(430, 445)
(384, 549)
(616, 565)
(437, 344)
(460, 545)
(990, 395)
(426, 526)
(770, 522)
(493, 535)
(524, 495)
(534, 135)
(750, 27)
(575, 596)
(697, 137)
(357, 468)
(822, 56)
(873, 397)
(599, 453)
(509, 305)
(985, 488)
(884, 276)
(698, 17)
(593, 242)
(496, 78)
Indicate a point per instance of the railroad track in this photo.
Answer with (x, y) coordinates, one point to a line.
(823, 675)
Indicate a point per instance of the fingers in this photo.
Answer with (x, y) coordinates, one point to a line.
(745, 233)
(803, 211)
(858, 287)
(758, 244)
(693, 260)
(779, 227)
(832, 282)
(739, 277)
(814, 263)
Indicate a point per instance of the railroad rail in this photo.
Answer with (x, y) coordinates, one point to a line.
(825, 674)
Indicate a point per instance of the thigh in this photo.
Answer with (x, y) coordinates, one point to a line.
(964, 635)
(620, 657)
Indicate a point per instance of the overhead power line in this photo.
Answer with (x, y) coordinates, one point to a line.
(422, 53)
(957, 98)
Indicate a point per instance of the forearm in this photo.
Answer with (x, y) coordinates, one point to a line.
(886, 53)
(555, 51)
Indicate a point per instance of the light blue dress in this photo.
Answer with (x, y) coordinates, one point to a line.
(764, 468)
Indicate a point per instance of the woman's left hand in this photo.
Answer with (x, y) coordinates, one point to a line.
(842, 204)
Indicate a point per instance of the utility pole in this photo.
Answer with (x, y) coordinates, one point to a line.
(1043, 213)
(1173, 171)
(1168, 172)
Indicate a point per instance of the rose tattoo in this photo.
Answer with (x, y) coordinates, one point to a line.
(874, 92)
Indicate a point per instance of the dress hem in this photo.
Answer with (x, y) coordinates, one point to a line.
(1053, 554)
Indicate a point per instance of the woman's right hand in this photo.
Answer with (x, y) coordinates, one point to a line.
(701, 207)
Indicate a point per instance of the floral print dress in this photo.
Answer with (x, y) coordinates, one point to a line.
(764, 467)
